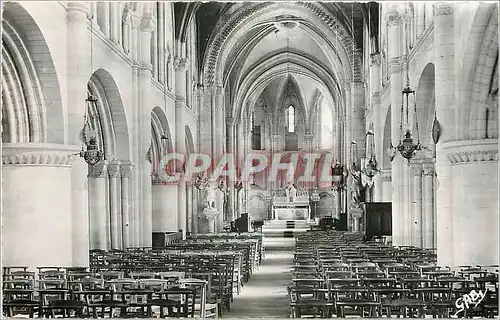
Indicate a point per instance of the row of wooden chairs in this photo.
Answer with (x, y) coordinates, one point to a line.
(337, 273)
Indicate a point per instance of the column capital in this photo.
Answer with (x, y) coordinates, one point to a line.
(98, 170)
(135, 21)
(113, 169)
(385, 175)
(376, 98)
(126, 169)
(396, 64)
(443, 9)
(375, 59)
(126, 15)
(230, 121)
(216, 89)
(147, 24)
(416, 169)
(357, 84)
(180, 64)
(394, 18)
(83, 6)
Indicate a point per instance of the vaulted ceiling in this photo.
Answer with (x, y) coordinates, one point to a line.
(209, 15)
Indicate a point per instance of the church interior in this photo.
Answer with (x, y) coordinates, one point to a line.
(116, 117)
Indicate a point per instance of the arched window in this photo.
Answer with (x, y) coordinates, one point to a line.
(291, 119)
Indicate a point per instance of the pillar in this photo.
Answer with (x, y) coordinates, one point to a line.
(138, 156)
(420, 13)
(126, 30)
(416, 204)
(98, 213)
(115, 205)
(189, 208)
(385, 177)
(125, 172)
(144, 167)
(161, 42)
(230, 215)
(428, 218)
(180, 133)
(103, 17)
(115, 21)
(218, 121)
(37, 222)
(395, 32)
(165, 207)
(78, 74)
(445, 112)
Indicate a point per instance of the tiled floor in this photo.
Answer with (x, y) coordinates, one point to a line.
(265, 295)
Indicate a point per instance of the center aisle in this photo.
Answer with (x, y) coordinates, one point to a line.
(265, 295)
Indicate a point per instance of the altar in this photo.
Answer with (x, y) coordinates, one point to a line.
(295, 210)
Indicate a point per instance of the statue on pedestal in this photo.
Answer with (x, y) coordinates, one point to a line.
(210, 197)
(291, 192)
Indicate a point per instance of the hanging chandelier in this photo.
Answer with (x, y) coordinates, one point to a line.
(339, 176)
(369, 168)
(90, 149)
(407, 146)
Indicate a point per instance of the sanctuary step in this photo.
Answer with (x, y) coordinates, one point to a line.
(284, 228)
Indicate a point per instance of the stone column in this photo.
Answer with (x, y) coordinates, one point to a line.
(125, 172)
(444, 54)
(144, 167)
(378, 122)
(78, 74)
(180, 65)
(126, 29)
(358, 130)
(385, 177)
(474, 211)
(138, 155)
(161, 42)
(189, 208)
(395, 31)
(115, 205)
(230, 181)
(416, 222)
(217, 142)
(104, 24)
(37, 223)
(165, 207)
(428, 218)
(420, 12)
(98, 210)
(115, 21)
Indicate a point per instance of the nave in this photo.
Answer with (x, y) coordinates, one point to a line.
(326, 274)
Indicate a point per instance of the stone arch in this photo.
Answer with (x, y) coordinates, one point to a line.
(258, 207)
(478, 68)
(220, 45)
(325, 206)
(426, 102)
(161, 139)
(386, 140)
(291, 94)
(190, 148)
(31, 102)
(278, 65)
(108, 116)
